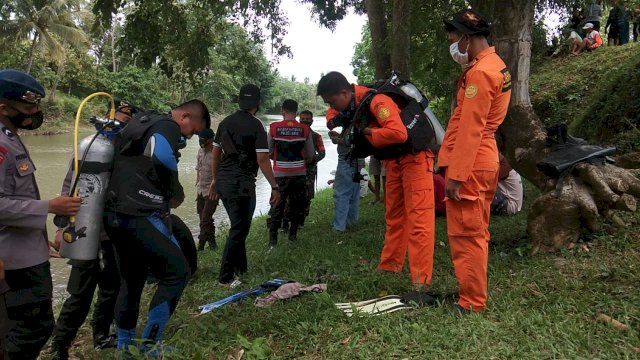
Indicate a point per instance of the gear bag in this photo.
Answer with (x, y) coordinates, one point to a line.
(423, 128)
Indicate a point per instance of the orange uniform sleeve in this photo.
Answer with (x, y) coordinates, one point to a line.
(480, 92)
(331, 113)
(598, 41)
(389, 129)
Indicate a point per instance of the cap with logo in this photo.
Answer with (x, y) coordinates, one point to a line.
(249, 97)
(469, 22)
(19, 86)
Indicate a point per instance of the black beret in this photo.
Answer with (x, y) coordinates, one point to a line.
(19, 86)
(206, 134)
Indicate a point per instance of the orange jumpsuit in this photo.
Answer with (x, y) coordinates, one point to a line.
(409, 201)
(470, 155)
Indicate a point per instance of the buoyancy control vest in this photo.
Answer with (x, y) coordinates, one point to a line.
(289, 138)
(136, 188)
(423, 128)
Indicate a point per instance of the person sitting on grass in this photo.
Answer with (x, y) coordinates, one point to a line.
(592, 40)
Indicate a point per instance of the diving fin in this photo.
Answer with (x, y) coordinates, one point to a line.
(389, 304)
(349, 305)
(384, 305)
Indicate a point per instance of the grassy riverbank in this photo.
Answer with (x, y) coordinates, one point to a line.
(540, 307)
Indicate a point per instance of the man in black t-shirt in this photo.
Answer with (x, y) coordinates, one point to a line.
(240, 147)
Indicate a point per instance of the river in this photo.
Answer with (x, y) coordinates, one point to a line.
(51, 156)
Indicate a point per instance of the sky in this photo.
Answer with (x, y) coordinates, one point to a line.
(315, 49)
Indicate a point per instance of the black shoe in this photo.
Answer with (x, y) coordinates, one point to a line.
(105, 342)
(201, 244)
(273, 238)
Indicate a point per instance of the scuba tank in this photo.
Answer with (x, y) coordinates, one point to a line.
(411, 90)
(82, 237)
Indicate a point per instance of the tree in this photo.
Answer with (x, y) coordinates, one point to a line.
(44, 22)
(584, 195)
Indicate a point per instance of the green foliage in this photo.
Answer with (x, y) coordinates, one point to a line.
(48, 24)
(304, 93)
(362, 60)
(147, 88)
(596, 94)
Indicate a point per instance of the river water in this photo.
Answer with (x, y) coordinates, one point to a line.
(51, 156)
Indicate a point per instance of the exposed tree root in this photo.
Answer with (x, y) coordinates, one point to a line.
(579, 201)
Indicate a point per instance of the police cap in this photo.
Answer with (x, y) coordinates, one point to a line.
(19, 86)
(468, 22)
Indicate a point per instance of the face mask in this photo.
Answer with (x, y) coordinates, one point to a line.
(460, 58)
(36, 120)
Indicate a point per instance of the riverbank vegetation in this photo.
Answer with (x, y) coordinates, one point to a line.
(136, 57)
(545, 306)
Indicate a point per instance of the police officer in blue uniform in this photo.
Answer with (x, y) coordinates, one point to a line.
(23, 238)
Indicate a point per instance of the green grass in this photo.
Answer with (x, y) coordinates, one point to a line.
(541, 307)
(595, 93)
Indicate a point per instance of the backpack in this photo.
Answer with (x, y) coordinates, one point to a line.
(423, 129)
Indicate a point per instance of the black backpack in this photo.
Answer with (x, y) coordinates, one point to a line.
(421, 132)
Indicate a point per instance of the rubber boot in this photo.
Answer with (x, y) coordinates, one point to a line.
(125, 338)
(212, 240)
(201, 244)
(293, 232)
(156, 321)
(273, 237)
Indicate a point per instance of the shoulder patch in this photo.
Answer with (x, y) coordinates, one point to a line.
(470, 91)
(8, 133)
(383, 113)
(507, 80)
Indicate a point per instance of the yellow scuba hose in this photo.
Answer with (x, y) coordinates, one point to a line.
(112, 115)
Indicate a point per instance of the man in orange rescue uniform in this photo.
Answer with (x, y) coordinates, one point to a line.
(409, 198)
(470, 155)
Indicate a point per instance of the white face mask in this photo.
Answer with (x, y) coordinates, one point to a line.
(459, 57)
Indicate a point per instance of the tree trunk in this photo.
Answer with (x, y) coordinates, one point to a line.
(60, 73)
(522, 135)
(401, 37)
(32, 51)
(113, 48)
(378, 31)
(484, 7)
(581, 198)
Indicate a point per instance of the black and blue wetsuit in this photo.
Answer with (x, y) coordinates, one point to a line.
(144, 180)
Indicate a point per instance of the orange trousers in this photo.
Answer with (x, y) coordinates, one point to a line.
(468, 231)
(410, 216)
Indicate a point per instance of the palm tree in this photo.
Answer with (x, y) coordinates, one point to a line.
(48, 23)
